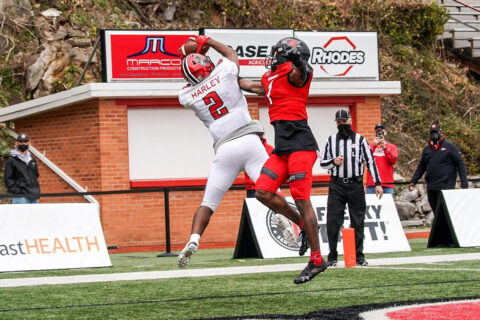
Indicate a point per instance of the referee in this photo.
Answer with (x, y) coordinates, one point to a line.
(344, 156)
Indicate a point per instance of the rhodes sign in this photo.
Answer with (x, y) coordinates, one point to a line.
(142, 55)
(342, 55)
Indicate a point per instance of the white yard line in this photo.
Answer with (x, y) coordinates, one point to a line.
(207, 272)
(423, 269)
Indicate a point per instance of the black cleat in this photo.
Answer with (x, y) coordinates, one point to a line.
(331, 263)
(303, 243)
(310, 271)
(361, 262)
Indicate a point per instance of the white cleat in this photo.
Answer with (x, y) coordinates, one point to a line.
(284, 224)
(186, 254)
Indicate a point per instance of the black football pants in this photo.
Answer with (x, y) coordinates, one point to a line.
(340, 194)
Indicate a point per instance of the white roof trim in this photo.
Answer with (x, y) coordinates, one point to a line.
(171, 89)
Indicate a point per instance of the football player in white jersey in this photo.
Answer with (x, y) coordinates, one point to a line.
(214, 94)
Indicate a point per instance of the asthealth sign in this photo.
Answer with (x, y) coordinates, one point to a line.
(51, 236)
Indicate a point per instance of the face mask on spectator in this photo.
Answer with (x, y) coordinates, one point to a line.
(435, 136)
(22, 147)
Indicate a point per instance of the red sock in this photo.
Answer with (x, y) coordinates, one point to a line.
(316, 257)
(301, 224)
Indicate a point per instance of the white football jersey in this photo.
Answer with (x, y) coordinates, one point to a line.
(218, 100)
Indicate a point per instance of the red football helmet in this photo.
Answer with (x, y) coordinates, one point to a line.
(196, 67)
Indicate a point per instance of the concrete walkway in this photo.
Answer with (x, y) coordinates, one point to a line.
(186, 273)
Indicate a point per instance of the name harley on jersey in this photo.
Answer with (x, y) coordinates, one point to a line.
(206, 87)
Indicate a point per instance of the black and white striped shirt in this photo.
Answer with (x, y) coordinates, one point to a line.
(355, 151)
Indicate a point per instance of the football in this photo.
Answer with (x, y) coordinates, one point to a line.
(191, 46)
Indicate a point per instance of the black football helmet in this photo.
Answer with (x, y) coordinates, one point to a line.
(287, 49)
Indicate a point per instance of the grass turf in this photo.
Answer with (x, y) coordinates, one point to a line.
(237, 295)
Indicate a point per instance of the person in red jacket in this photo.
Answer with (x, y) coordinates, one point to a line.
(386, 155)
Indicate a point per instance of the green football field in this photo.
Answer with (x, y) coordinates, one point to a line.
(260, 295)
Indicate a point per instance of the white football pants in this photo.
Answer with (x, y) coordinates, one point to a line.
(246, 153)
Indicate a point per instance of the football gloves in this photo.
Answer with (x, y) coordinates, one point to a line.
(201, 41)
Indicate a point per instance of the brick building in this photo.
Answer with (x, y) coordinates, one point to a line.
(88, 138)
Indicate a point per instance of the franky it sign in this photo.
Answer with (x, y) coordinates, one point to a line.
(142, 55)
(383, 230)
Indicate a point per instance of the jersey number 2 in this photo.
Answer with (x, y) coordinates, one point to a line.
(215, 105)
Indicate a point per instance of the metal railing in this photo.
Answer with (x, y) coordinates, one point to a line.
(166, 195)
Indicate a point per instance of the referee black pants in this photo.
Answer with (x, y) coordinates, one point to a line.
(340, 194)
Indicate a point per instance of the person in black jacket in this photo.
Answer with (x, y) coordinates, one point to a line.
(441, 159)
(21, 172)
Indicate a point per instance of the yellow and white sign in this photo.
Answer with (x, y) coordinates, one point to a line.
(51, 236)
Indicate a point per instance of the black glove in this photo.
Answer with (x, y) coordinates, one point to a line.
(295, 56)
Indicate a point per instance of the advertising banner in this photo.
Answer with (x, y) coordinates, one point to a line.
(142, 55)
(251, 45)
(342, 55)
(383, 230)
(51, 236)
(146, 55)
(456, 222)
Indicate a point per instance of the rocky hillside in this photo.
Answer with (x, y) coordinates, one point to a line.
(44, 45)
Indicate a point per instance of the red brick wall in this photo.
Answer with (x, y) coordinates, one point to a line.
(69, 138)
(89, 142)
(368, 114)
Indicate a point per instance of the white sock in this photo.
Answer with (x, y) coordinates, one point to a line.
(195, 237)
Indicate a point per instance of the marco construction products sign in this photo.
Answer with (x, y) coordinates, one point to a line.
(142, 55)
(51, 236)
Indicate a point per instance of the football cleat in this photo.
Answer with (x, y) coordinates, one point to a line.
(304, 245)
(186, 254)
(362, 262)
(310, 271)
(284, 224)
(331, 263)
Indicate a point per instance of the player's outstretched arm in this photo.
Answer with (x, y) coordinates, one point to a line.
(251, 86)
(224, 50)
(221, 48)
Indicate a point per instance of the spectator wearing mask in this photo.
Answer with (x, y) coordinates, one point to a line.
(386, 155)
(21, 172)
(441, 160)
